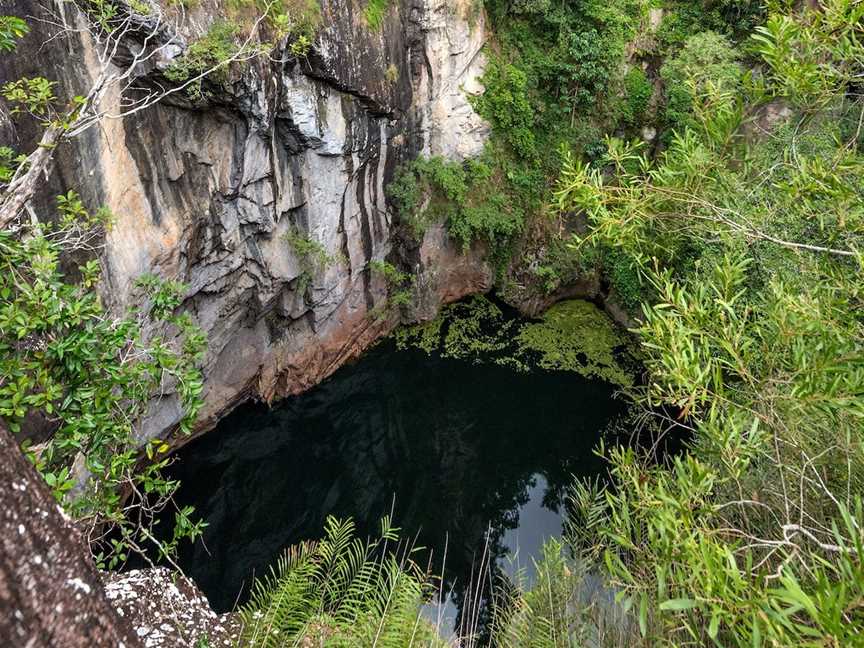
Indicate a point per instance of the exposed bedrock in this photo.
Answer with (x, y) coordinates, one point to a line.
(204, 192)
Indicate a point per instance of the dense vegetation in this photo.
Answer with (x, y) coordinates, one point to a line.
(747, 231)
(738, 228)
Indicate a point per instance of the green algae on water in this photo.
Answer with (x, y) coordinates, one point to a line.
(474, 329)
(571, 336)
(576, 336)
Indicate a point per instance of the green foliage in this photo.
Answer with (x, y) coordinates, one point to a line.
(474, 329)
(342, 592)
(638, 90)
(811, 59)
(706, 63)
(296, 20)
(399, 284)
(391, 273)
(554, 265)
(506, 105)
(749, 246)
(311, 255)
(374, 12)
(734, 19)
(572, 336)
(9, 162)
(104, 13)
(64, 358)
(140, 7)
(206, 57)
(11, 29)
(622, 273)
(466, 197)
(561, 607)
(33, 95)
(556, 77)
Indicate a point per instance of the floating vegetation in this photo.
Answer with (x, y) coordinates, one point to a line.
(571, 336)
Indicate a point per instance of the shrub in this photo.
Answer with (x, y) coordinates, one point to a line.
(465, 197)
(637, 92)
(753, 340)
(399, 284)
(312, 254)
(505, 104)
(210, 52)
(297, 20)
(706, 63)
(62, 356)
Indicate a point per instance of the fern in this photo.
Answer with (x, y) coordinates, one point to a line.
(563, 607)
(342, 592)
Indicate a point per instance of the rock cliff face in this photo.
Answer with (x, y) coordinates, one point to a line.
(204, 192)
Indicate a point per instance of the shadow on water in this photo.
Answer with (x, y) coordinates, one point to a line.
(459, 447)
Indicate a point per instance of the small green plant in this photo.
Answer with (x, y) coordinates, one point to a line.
(208, 56)
(9, 162)
(296, 20)
(301, 46)
(140, 7)
(374, 13)
(33, 95)
(311, 255)
(12, 28)
(400, 284)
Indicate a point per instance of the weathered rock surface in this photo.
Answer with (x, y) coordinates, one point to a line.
(166, 610)
(50, 592)
(204, 192)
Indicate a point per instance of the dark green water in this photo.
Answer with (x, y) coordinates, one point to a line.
(453, 448)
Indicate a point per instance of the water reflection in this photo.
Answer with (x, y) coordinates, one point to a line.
(537, 520)
(460, 448)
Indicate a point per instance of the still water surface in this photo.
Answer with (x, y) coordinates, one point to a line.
(452, 448)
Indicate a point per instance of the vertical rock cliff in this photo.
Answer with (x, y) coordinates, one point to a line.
(204, 191)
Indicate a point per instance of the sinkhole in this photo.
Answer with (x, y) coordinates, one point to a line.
(473, 460)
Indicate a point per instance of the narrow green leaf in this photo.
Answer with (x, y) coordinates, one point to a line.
(677, 605)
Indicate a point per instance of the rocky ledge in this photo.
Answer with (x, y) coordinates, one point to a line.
(166, 610)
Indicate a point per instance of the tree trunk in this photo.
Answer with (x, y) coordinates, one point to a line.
(50, 591)
(22, 188)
